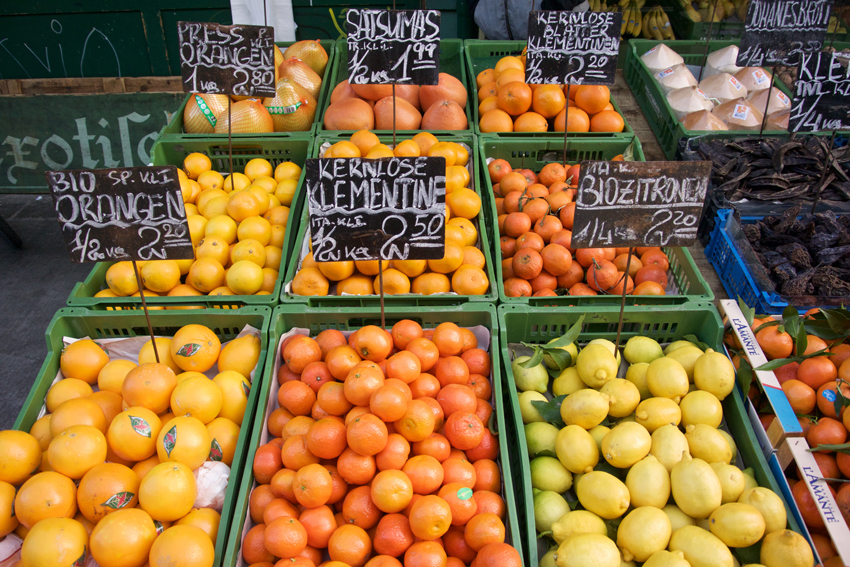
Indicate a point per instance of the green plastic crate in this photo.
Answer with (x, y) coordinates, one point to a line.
(664, 324)
(287, 317)
(408, 299)
(670, 132)
(451, 62)
(77, 323)
(172, 152)
(484, 54)
(173, 131)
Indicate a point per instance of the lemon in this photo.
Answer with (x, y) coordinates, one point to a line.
(687, 356)
(667, 559)
(644, 531)
(570, 348)
(648, 483)
(667, 378)
(642, 349)
(548, 559)
(737, 525)
(731, 481)
(626, 444)
(769, 505)
(636, 374)
(749, 480)
(706, 443)
(576, 449)
(695, 488)
(610, 346)
(578, 522)
(669, 446)
(598, 433)
(586, 408)
(656, 412)
(527, 410)
(713, 372)
(603, 494)
(540, 436)
(588, 550)
(535, 378)
(567, 382)
(596, 365)
(547, 473)
(241, 354)
(732, 445)
(623, 397)
(784, 548)
(703, 524)
(701, 407)
(549, 506)
(678, 519)
(701, 548)
(675, 345)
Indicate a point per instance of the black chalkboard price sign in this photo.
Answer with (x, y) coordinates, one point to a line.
(235, 60)
(777, 32)
(388, 47)
(630, 203)
(578, 48)
(366, 209)
(821, 100)
(131, 213)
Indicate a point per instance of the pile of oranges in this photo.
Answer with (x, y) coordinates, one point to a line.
(110, 471)
(508, 104)
(237, 228)
(811, 386)
(380, 454)
(460, 270)
(535, 216)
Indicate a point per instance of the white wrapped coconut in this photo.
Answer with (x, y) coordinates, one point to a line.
(739, 114)
(687, 100)
(754, 78)
(661, 57)
(778, 121)
(722, 61)
(676, 77)
(723, 87)
(703, 120)
(779, 101)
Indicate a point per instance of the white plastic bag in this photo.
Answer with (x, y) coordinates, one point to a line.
(211, 478)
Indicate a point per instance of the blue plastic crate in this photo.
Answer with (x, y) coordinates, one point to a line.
(736, 277)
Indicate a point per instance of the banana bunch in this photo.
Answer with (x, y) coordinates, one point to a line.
(656, 25)
(835, 25)
(598, 5)
(633, 20)
(719, 10)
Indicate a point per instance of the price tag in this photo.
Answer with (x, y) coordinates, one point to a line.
(821, 92)
(572, 47)
(631, 203)
(388, 47)
(366, 209)
(235, 60)
(131, 213)
(777, 32)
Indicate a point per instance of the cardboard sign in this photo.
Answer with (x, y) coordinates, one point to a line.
(130, 213)
(578, 48)
(235, 60)
(777, 32)
(366, 209)
(631, 203)
(820, 94)
(388, 47)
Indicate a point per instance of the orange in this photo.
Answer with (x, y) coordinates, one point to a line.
(195, 347)
(816, 371)
(105, 489)
(461, 502)
(350, 545)
(548, 101)
(278, 508)
(367, 435)
(331, 398)
(224, 435)
(391, 491)
(372, 343)
(77, 411)
(83, 359)
(354, 468)
(470, 280)
(394, 455)
(464, 430)
(487, 475)
(76, 450)
(312, 485)
(489, 446)
(168, 491)
(448, 339)
(807, 506)
(297, 397)
(514, 98)
(487, 90)
(359, 509)
(336, 271)
(55, 541)
(142, 468)
(253, 547)
(326, 438)
(424, 140)
(456, 546)
(435, 445)
(197, 397)
(489, 103)
(133, 527)
(826, 431)
(388, 403)
(484, 529)
(427, 352)
(425, 473)
(395, 283)
(426, 554)
(260, 498)
(496, 120)
(132, 434)
(607, 121)
(67, 389)
(361, 383)
(206, 519)
(187, 546)
(295, 453)
(592, 98)
(8, 521)
(355, 285)
(364, 140)
(489, 502)
(456, 398)
(149, 386)
(184, 440)
(485, 77)
(775, 344)
(498, 555)
(340, 360)
(319, 523)
(509, 76)
(430, 517)
(45, 495)
(431, 283)
(21, 456)
(457, 469)
(410, 268)
(451, 370)
(417, 423)
(508, 62)
(392, 535)
(235, 389)
(577, 121)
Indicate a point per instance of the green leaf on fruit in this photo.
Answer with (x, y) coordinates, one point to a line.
(560, 357)
(765, 326)
(780, 362)
(693, 338)
(544, 534)
(748, 555)
(536, 359)
(802, 342)
(748, 312)
(745, 376)
(550, 411)
(573, 504)
(838, 319)
(570, 336)
(821, 328)
(843, 448)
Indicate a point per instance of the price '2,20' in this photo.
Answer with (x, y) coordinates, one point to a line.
(666, 224)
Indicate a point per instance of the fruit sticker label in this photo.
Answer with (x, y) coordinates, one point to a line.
(170, 440)
(208, 113)
(783, 97)
(741, 111)
(665, 73)
(189, 349)
(760, 77)
(284, 109)
(246, 389)
(464, 493)
(119, 500)
(159, 527)
(216, 453)
(140, 426)
(81, 560)
(700, 91)
(735, 83)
